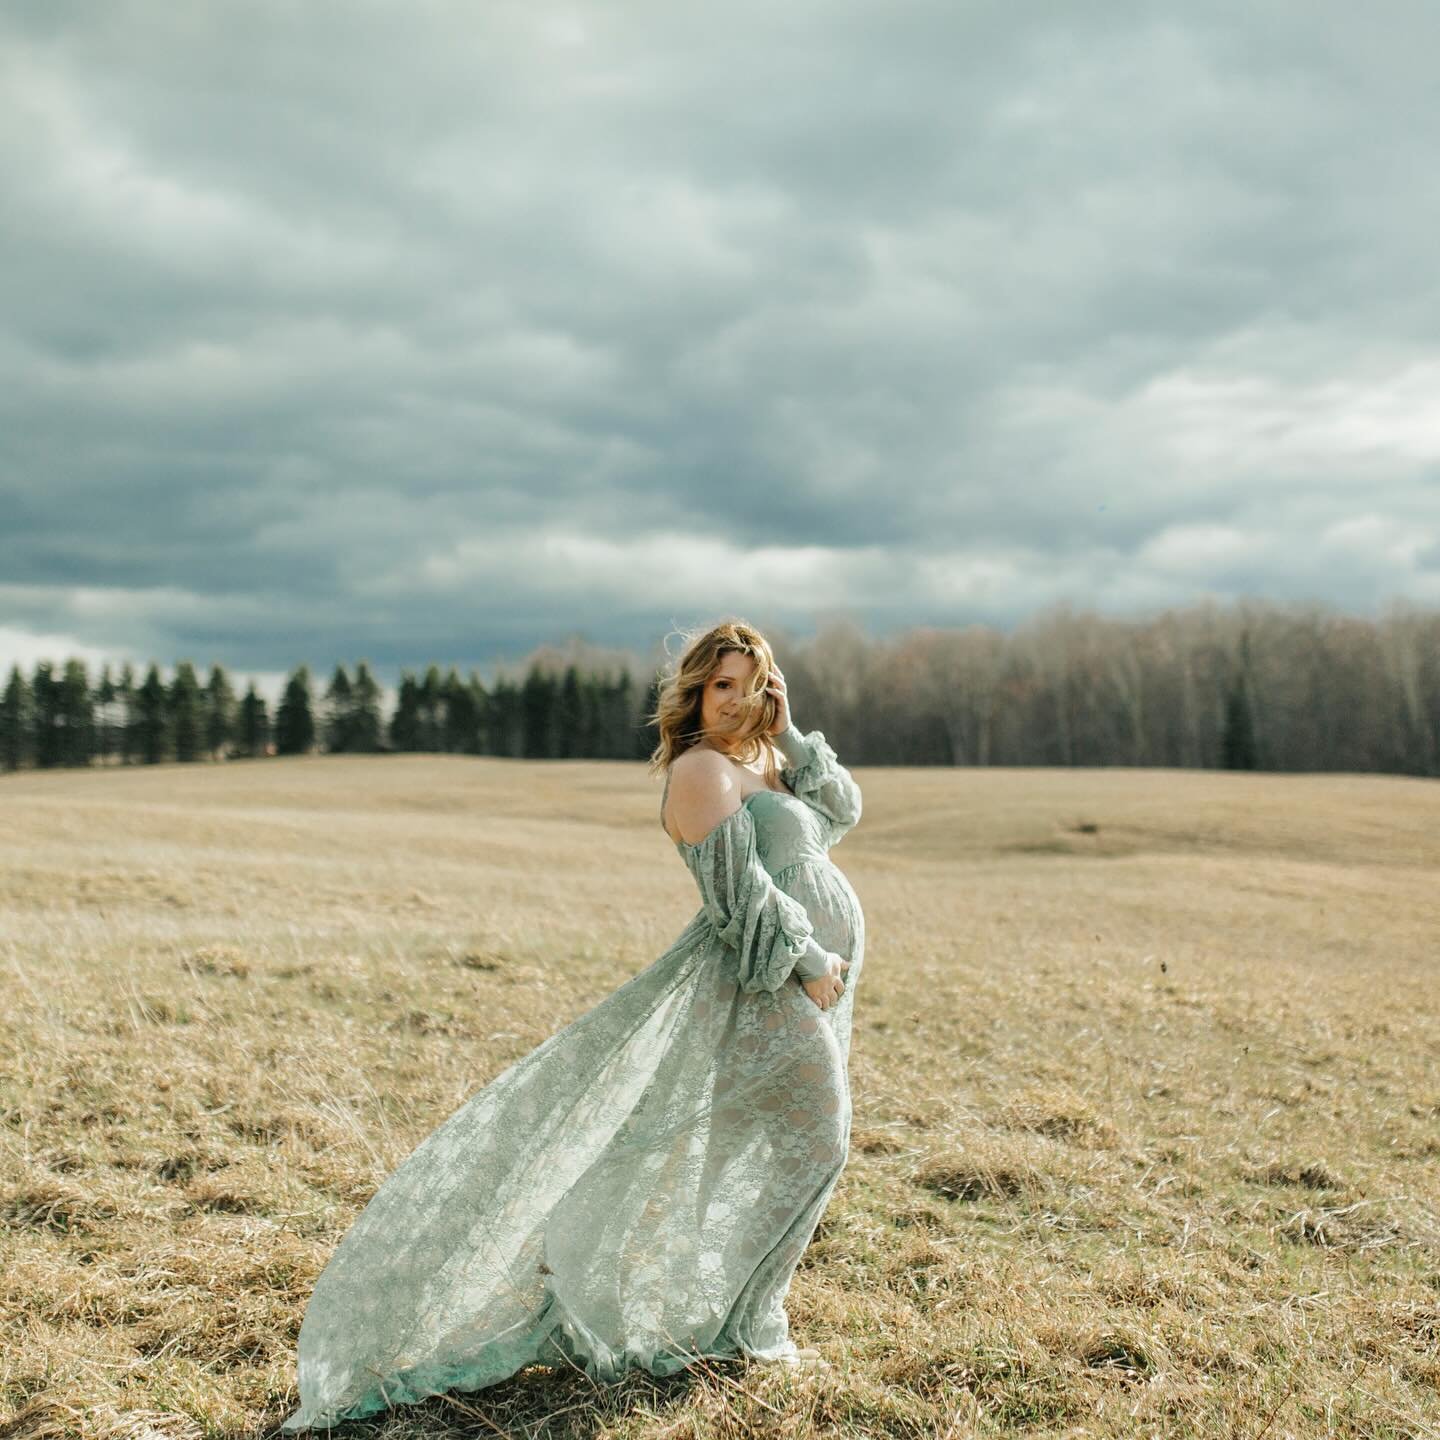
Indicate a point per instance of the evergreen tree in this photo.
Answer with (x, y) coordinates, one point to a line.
(569, 716)
(253, 739)
(77, 715)
(537, 715)
(1238, 740)
(503, 730)
(219, 713)
(461, 719)
(639, 728)
(128, 716)
(432, 703)
(187, 720)
(615, 717)
(365, 711)
(48, 739)
(294, 720)
(151, 718)
(592, 718)
(15, 722)
(480, 705)
(339, 713)
(109, 726)
(405, 726)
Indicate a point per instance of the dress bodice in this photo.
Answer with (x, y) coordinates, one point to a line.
(787, 830)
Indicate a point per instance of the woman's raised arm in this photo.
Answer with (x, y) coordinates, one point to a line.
(818, 778)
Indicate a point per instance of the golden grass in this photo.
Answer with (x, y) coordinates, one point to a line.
(1147, 1098)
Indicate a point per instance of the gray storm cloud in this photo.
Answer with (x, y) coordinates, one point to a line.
(440, 331)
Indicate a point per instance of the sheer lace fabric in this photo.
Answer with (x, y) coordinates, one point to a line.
(637, 1190)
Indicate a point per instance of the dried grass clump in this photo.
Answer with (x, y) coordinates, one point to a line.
(1343, 1227)
(1312, 1176)
(217, 960)
(49, 1205)
(1057, 1114)
(875, 1142)
(50, 1420)
(1116, 1352)
(959, 1180)
(176, 1169)
(432, 1022)
(486, 960)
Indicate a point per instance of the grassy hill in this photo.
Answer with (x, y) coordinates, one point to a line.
(1146, 1075)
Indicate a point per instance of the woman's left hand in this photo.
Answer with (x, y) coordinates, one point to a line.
(776, 689)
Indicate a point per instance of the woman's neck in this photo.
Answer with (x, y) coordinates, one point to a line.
(758, 766)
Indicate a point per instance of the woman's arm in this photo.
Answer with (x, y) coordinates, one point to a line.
(818, 778)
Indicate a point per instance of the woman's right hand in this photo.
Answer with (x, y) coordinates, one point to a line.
(826, 989)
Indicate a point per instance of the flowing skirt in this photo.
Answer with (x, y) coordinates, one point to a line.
(635, 1192)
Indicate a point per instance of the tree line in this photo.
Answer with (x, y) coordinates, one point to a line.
(1248, 685)
(1243, 685)
(59, 717)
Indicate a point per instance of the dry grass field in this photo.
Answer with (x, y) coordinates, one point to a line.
(1146, 1073)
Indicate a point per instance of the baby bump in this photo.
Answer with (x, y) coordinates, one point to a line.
(832, 906)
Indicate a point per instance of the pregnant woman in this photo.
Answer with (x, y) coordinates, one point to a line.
(637, 1191)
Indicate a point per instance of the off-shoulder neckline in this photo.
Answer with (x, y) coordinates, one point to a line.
(715, 828)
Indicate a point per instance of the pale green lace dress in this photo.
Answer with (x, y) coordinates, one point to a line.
(639, 1188)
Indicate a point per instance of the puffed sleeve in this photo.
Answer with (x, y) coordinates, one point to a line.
(768, 929)
(818, 778)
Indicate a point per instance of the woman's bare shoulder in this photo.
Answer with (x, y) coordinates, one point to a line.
(703, 791)
(701, 759)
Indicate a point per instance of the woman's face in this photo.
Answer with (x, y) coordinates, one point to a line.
(721, 715)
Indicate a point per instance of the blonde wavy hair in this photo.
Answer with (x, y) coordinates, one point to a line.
(678, 701)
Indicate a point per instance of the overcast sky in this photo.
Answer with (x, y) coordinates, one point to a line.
(435, 330)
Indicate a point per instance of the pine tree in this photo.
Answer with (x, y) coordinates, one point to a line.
(1237, 744)
(108, 724)
(253, 738)
(339, 713)
(502, 733)
(365, 711)
(47, 727)
(128, 717)
(405, 727)
(219, 713)
(591, 741)
(569, 716)
(480, 708)
(537, 712)
(77, 715)
(638, 727)
(1238, 741)
(15, 721)
(460, 718)
(187, 719)
(432, 703)
(612, 724)
(151, 718)
(294, 720)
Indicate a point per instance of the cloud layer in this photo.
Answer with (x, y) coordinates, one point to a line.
(438, 331)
